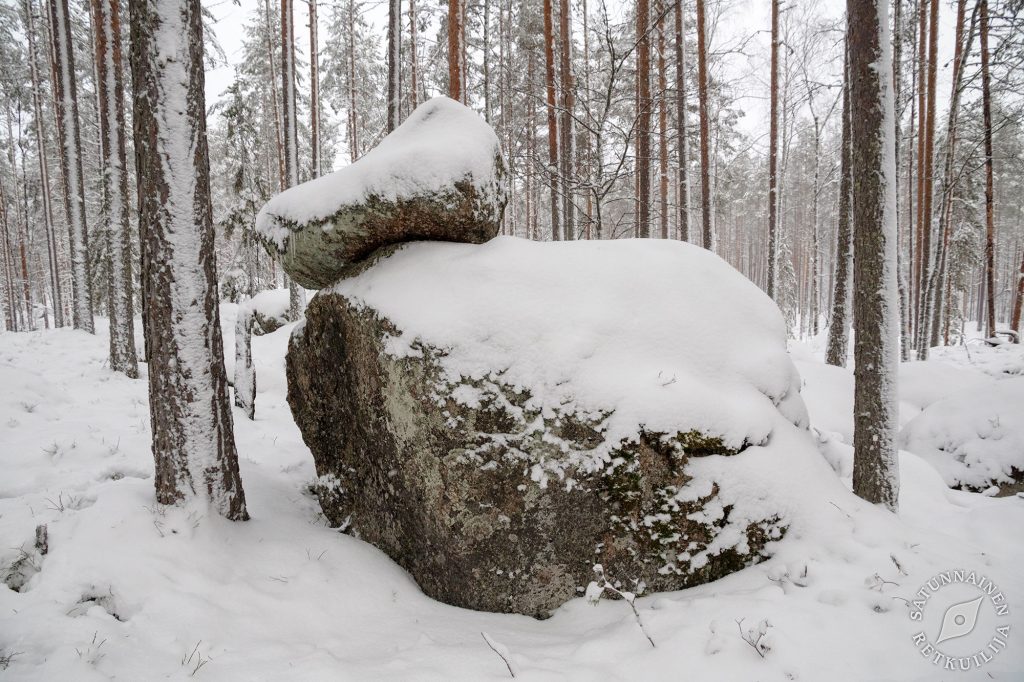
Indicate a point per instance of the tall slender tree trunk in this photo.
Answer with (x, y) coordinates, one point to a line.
(705, 161)
(567, 136)
(315, 166)
(456, 51)
(44, 169)
(662, 124)
(278, 138)
(394, 95)
(773, 160)
(353, 119)
(414, 66)
(106, 20)
(839, 329)
(193, 439)
(876, 347)
(643, 113)
(683, 187)
(990, 228)
(549, 77)
(289, 118)
(924, 317)
(65, 96)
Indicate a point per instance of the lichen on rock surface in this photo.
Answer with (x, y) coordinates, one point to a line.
(439, 176)
(498, 441)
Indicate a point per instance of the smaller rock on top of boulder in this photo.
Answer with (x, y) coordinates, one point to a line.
(439, 176)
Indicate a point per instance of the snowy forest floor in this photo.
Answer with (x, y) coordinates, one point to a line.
(129, 591)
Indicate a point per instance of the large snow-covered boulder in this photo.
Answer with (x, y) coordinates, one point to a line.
(499, 418)
(974, 437)
(439, 176)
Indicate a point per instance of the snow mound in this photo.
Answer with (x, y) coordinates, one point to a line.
(441, 143)
(677, 340)
(975, 438)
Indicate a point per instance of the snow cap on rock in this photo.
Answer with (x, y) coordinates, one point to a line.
(439, 176)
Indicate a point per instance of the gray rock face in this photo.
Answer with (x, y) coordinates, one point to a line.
(442, 488)
(439, 176)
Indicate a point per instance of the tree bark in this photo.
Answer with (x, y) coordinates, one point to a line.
(193, 439)
(705, 162)
(316, 169)
(990, 228)
(773, 159)
(924, 318)
(876, 347)
(394, 62)
(44, 169)
(106, 21)
(245, 373)
(643, 113)
(456, 50)
(567, 136)
(65, 96)
(839, 329)
(549, 77)
(683, 187)
(289, 117)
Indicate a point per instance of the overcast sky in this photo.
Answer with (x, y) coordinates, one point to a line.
(740, 19)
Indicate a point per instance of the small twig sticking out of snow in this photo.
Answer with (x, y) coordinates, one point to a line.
(754, 637)
(879, 583)
(595, 589)
(896, 561)
(498, 649)
(200, 661)
(840, 509)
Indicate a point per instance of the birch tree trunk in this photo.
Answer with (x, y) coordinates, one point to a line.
(876, 347)
(193, 439)
(106, 21)
(65, 96)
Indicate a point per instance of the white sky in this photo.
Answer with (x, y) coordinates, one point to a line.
(740, 18)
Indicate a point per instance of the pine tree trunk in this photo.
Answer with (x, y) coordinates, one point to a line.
(394, 62)
(316, 169)
(567, 136)
(413, 59)
(44, 169)
(353, 128)
(193, 439)
(705, 161)
(990, 229)
(773, 160)
(65, 96)
(839, 329)
(662, 124)
(643, 113)
(456, 51)
(245, 373)
(106, 19)
(549, 64)
(273, 98)
(683, 190)
(876, 347)
(924, 317)
(289, 117)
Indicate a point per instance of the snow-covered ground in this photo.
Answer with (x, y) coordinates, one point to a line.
(132, 592)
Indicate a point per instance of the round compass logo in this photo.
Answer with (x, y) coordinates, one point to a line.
(963, 619)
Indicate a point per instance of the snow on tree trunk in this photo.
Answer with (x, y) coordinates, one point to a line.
(683, 189)
(245, 373)
(549, 79)
(773, 159)
(65, 97)
(643, 114)
(705, 154)
(193, 439)
(839, 330)
(314, 94)
(990, 246)
(297, 296)
(394, 62)
(44, 169)
(106, 21)
(876, 346)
